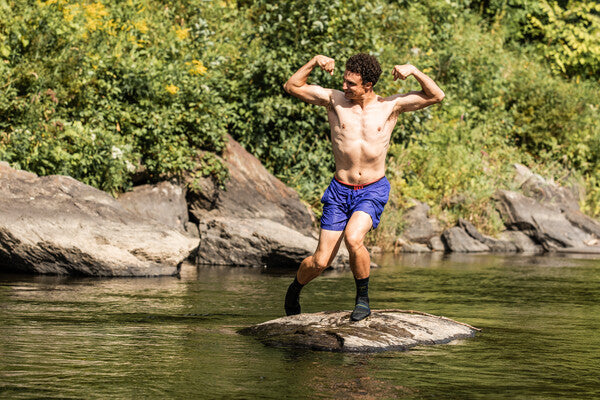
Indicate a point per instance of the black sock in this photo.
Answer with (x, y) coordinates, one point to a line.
(292, 298)
(361, 308)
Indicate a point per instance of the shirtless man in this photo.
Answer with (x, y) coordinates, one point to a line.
(361, 125)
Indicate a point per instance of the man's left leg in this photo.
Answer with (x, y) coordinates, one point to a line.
(360, 262)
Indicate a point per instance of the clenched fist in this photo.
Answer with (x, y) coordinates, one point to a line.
(327, 64)
(403, 71)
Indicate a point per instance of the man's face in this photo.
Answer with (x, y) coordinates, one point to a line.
(353, 85)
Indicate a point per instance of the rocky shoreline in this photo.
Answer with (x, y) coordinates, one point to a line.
(542, 217)
(57, 225)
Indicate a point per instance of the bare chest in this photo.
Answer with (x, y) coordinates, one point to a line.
(371, 124)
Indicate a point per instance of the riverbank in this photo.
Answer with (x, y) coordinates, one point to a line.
(58, 225)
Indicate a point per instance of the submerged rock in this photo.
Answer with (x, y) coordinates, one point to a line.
(383, 330)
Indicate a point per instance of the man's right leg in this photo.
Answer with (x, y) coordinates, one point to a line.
(311, 267)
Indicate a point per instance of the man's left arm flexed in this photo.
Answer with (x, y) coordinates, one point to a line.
(429, 94)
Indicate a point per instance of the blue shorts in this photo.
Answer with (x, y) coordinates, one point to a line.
(340, 201)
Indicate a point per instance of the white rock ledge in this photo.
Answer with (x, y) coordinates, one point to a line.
(383, 330)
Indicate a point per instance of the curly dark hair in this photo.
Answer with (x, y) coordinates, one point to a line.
(366, 66)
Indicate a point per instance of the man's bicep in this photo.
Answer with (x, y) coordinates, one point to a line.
(412, 101)
(313, 94)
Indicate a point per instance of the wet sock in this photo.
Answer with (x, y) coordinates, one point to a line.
(292, 298)
(361, 308)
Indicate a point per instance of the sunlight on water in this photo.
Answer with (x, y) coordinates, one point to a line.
(176, 337)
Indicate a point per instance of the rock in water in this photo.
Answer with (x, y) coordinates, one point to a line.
(57, 225)
(383, 330)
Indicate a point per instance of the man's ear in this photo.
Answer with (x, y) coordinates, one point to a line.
(368, 86)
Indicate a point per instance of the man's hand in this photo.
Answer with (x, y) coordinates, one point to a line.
(403, 71)
(327, 64)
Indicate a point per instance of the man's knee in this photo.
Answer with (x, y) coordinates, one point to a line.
(320, 262)
(354, 241)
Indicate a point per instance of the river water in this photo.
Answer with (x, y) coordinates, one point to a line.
(171, 337)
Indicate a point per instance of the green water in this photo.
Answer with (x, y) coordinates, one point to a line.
(176, 337)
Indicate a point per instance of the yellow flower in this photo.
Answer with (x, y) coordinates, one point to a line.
(141, 26)
(172, 89)
(69, 12)
(197, 68)
(94, 14)
(182, 33)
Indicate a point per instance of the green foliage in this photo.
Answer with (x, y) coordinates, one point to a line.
(209, 165)
(566, 33)
(132, 75)
(569, 37)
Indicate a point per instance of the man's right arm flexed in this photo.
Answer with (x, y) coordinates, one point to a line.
(313, 94)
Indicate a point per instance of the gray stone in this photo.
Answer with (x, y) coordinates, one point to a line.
(403, 246)
(495, 245)
(191, 229)
(522, 242)
(57, 225)
(382, 331)
(250, 192)
(545, 222)
(459, 241)
(256, 242)
(419, 226)
(583, 222)
(437, 244)
(163, 202)
(256, 221)
(545, 191)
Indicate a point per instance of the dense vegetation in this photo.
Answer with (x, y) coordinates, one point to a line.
(111, 91)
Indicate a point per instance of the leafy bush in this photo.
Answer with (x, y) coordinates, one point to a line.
(89, 80)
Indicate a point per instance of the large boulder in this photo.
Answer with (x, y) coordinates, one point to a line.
(545, 191)
(522, 242)
(57, 225)
(250, 192)
(495, 245)
(382, 330)
(458, 240)
(163, 202)
(419, 226)
(256, 242)
(544, 222)
(583, 222)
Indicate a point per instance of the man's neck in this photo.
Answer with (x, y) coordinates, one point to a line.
(366, 99)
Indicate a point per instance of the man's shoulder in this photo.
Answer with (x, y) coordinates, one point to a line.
(337, 97)
(336, 94)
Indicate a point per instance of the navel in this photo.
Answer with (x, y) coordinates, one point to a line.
(343, 126)
(378, 129)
